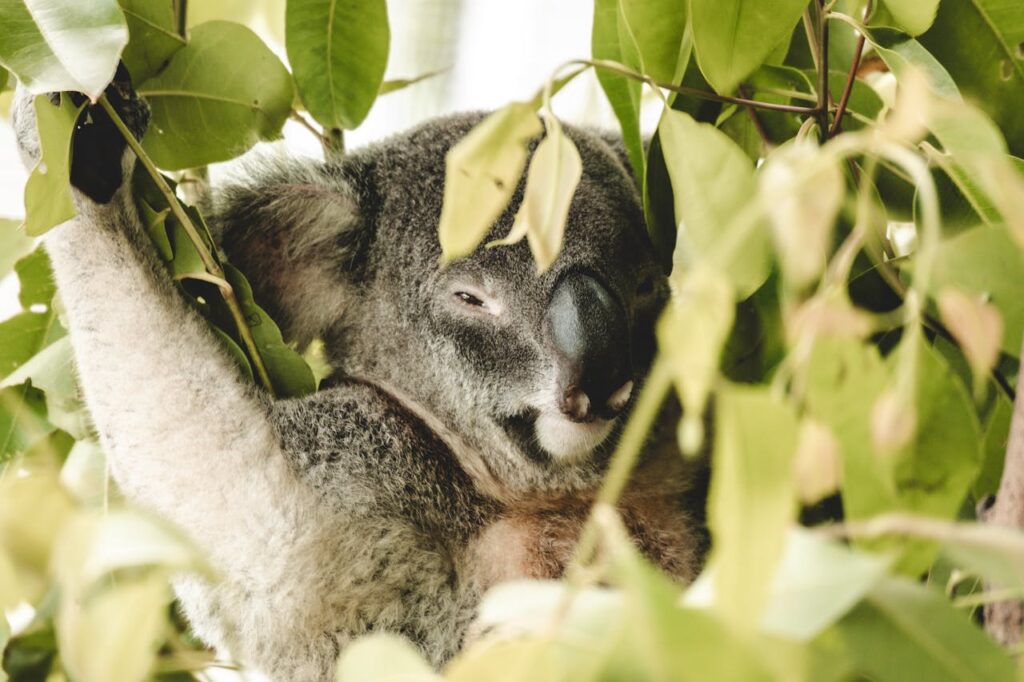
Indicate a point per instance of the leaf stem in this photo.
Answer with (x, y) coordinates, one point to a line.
(824, 97)
(181, 17)
(653, 393)
(205, 254)
(851, 77)
(615, 67)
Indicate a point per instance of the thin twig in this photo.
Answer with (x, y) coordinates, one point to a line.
(205, 255)
(823, 94)
(304, 122)
(758, 125)
(694, 92)
(851, 77)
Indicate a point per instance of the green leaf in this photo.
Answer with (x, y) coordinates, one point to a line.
(986, 261)
(901, 54)
(289, 373)
(153, 32)
(51, 369)
(53, 46)
(219, 95)
(13, 244)
(555, 171)
(48, 190)
(711, 180)
(22, 418)
(752, 498)
(610, 40)
(818, 580)
(996, 438)
(383, 658)
(338, 51)
(914, 16)
(36, 279)
(904, 631)
(734, 37)
(481, 173)
(24, 335)
(993, 74)
(656, 27)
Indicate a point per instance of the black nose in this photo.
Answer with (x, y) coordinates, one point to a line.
(588, 328)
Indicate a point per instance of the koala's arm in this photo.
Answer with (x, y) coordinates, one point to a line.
(187, 436)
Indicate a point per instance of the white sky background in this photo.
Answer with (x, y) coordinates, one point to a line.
(494, 52)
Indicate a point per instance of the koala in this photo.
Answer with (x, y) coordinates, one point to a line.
(462, 437)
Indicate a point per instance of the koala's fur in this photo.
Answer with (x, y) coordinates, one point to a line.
(390, 500)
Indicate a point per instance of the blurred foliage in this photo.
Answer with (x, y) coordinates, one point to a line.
(845, 293)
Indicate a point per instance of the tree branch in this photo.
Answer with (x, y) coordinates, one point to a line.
(1003, 619)
(213, 267)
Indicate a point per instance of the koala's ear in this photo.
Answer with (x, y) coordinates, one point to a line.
(297, 230)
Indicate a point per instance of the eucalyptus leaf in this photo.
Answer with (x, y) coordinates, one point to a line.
(35, 277)
(733, 37)
(384, 658)
(48, 190)
(53, 46)
(752, 499)
(904, 631)
(711, 180)
(993, 74)
(13, 244)
(153, 36)
(22, 418)
(219, 95)
(987, 262)
(610, 40)
(915, 16)
(481, 173)
(338, 50)
(656, 27)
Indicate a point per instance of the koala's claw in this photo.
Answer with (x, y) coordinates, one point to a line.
(98, 145)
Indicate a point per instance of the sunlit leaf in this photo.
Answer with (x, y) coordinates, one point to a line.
(913, 15)
(992, 75)
(802, 188)
(904, 55)
(733, 37)
(977, 327)
(51, 45)
(712, 179)
(383, 658)
(705, 301)
(13, 244)
(219, 95)
(988, 263)
(154, 37)
(752, 499)
(555, 171)
(482, 172)
(611, 40)
(904, 631)
(48, 190)
(84, 473)
(657, 27)
(29, 537)
(817, 466)
(338, 52)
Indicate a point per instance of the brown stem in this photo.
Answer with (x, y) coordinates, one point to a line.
(823, 93)
(181, 17)
(1003, 619)
(758, 125)
(205, 255)
(694, 92)
(851, 77)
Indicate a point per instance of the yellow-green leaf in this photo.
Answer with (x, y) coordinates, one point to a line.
(48, 200)
(481, 174)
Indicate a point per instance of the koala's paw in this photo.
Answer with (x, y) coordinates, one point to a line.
(99, 147)
(97, 158)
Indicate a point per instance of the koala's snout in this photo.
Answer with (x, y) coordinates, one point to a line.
(588, 329)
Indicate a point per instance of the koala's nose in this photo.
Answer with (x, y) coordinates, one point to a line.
(588, 328)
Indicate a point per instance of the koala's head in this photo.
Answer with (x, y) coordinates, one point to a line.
(534, 372)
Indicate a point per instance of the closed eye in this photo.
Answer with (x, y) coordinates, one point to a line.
(469, 299)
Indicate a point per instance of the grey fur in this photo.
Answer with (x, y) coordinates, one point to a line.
(393, 498)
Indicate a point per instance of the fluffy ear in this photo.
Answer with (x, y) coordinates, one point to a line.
(295, 228)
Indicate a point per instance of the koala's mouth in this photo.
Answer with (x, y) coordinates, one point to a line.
(547, 439)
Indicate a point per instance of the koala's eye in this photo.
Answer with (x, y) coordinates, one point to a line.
(469, 299)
